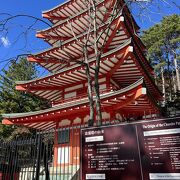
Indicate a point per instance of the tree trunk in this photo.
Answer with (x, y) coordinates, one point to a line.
(90, 98)
(163, 85)
(98, 101)
(155, 79)
(177, 72)
(96, 75)
(89, 89)
(169, 77)
(174, 84)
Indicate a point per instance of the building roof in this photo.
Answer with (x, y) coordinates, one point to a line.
(77, 24)
(72, 7)
(71, 51)
(134, 97)
(122, 64)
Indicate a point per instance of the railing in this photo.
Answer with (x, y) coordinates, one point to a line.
(79, 97)
(39, 158)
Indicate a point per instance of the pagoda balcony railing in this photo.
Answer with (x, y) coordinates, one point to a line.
(80, 97)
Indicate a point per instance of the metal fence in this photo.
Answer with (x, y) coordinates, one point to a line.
(51, 155)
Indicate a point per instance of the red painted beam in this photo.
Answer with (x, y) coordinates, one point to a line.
(37, 60)
(118, 24)
(45, 36)
(137, 94)
(7, 122)
(48, 116)
(20, 88)
(51, 17)
(37, 88)
(45, 15)
(128, 50)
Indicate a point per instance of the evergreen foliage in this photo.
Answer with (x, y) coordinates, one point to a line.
(13, 101)
(163, 42)
(161, 39)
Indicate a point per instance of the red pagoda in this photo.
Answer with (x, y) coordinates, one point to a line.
(127, 88)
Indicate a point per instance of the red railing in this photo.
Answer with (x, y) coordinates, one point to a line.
(79, 97)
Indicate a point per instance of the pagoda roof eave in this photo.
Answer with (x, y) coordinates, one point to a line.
(127, 9)
(70, 104)
(142, 54)
(64, 21)
(29, 86)
(43, 33)
(160, 94)
(67, 2)
(65, 42)
(134, 38)
(56, 7)
(35, 57)
(128, 42)
(121, 99)
(69, 40)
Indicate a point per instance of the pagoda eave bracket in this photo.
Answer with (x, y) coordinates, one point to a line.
(7, 122)
(139, 93)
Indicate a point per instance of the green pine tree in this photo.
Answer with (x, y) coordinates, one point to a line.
(13, 101)
(163, 42)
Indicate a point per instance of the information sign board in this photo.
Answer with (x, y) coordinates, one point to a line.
(147, 150)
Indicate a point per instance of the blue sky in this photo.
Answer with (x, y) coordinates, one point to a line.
(16, 42)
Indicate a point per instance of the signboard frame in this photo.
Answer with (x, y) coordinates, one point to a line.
(149, 125)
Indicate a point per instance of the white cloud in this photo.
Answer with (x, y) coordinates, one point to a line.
(5, 41)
